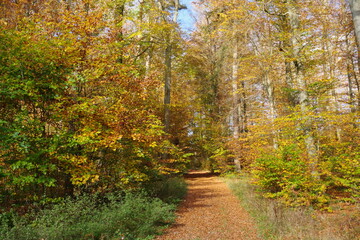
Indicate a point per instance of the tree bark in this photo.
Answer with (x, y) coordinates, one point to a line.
(119, 12)
(299, 78)
(168, 67)
(235, 113)
(271, 98)
(235, 96)
(243, 109)
(350, 88)
(355, 11)
(167, 88)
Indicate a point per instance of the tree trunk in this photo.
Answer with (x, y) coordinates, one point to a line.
(145, 18)
(271, 98)
(355, 11)
(243, 109)
(168, 67)
(328, 73)
(235, 113)
(299, 79)
(235, 96)
(356, 80)
(350, 88)
(167, 80)
(119, 12)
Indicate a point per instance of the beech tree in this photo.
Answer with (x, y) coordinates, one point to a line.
(355, 8)
(106, 95)
(281, 74)
(76, 110)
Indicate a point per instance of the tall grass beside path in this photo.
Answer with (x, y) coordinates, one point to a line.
(278, 222)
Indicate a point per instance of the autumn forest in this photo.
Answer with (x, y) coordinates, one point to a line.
(100, 96)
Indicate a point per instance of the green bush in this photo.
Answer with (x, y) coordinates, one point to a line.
(286, 176)
(341, 170)
(138, 217)
(135, 216)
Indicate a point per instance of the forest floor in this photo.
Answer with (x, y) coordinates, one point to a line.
(210, 212)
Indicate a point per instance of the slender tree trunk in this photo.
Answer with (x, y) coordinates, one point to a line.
(289, 81)
(148, 62)
(269, 84)
(235, 96)
(235, 113)
(299, 78)
(167, 80)
(243, 109)
(168, 67)
(350, 88)
(351, 73)
(271, 98)
(119, 14)
(334, 104)
(355, 11)
(144, 17)
(328, 72)
(356, 81)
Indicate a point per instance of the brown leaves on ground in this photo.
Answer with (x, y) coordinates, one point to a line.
(210, 212)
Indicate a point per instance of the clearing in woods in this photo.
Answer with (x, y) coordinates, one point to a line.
(210, 212)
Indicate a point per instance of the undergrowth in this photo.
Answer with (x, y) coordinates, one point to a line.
(171, 190)
(128, 216)
(278, 222)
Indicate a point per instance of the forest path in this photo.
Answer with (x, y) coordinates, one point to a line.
(210, 212)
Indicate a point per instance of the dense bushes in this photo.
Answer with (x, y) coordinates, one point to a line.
(285, 174)
(114, 216)
(341, 164)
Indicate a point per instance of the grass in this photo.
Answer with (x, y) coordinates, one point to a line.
(277, 222)
(130, 216)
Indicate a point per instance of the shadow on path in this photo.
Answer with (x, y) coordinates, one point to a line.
(202, 186)
(200, 174)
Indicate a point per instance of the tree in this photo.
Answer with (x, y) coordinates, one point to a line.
(78, 113)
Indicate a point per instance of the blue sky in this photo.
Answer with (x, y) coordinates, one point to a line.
(186, 17)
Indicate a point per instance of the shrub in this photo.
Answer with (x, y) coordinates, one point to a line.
(285, 175)
(138, 216)
(341, 170)
(135, 216)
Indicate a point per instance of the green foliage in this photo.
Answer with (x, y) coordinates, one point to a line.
(285, 175)
(74, 117)
(135, 216)
(341, 170)
(32, 80)
(209, 145)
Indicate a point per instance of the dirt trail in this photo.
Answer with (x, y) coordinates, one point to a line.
(210, 212)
